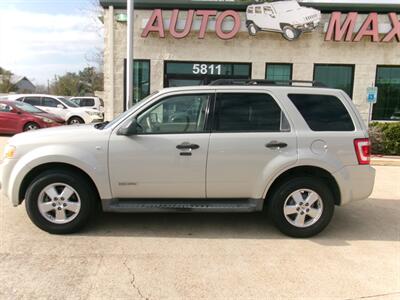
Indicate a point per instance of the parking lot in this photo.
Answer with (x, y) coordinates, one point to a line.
(213, 256)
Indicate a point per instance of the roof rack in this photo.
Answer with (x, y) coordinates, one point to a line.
(298, 83)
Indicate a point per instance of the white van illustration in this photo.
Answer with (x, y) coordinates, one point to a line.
(286, 17)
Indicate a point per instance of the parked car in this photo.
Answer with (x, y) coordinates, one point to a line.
(395, 116)
(293, 151)
(62, 107)
(16, 117)
(286, 17)
(89, 102)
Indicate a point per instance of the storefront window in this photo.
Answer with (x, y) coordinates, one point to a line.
(336, 76)
(279, 72)
(202, 73)
(141, 80)
(388, 83)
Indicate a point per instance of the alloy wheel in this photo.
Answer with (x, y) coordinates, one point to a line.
(303, 208)
(59, 203)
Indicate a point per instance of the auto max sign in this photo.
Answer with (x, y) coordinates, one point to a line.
(337, 30)
(285, 17)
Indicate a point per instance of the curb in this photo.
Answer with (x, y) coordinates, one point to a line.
(388, 162)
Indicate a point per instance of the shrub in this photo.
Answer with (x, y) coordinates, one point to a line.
(385, 138)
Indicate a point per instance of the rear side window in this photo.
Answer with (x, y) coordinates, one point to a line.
(33, 101)
(50, 102)
(87, 102)
(323, 112)
(248, 112)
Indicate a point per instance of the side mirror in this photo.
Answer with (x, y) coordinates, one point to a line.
(60, 106)
(131, 129)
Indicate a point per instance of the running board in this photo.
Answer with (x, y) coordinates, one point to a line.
(181, 205)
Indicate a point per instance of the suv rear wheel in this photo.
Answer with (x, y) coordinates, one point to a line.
(75, 120)
(252, 29)
(59, 202)
(302, 207)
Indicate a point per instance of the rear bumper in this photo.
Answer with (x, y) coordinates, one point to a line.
(355, 182)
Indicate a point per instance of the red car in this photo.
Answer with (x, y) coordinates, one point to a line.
(16, 117)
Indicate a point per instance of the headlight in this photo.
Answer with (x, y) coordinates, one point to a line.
(47, 120)
(9, 151)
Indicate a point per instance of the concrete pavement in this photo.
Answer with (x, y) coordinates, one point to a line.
(223, 256)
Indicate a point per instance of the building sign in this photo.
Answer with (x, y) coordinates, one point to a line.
(285, 17)
(338, 31)
(203, 68)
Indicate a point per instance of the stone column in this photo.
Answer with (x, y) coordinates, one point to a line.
(156, 75)
(303, 71)
(364, 77)
(258, 70)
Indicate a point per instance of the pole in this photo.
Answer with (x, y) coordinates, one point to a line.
(129, 55)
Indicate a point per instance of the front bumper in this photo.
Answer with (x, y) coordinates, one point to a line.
(355, 182)
(50, 125)
(6, 167)
(97, 121)
(308, 26)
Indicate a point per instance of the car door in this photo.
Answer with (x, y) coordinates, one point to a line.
(54, 107)
(259, 18)
(9, 119)
(33, 100)
(167, 159)
(250, 137)
(271, 22)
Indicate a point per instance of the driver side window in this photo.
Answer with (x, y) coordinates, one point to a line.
(176, 114)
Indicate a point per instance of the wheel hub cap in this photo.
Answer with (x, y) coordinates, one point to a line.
(59, 203)
(303, 208)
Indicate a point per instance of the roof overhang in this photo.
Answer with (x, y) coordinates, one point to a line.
(219, 5)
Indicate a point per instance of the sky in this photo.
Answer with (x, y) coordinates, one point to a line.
(43, 38)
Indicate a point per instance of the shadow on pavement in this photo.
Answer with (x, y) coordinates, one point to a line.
(373, 219)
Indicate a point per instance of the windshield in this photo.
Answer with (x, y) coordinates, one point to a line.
(126, 113)
(27, 107)
(286, 6)
(67, 102)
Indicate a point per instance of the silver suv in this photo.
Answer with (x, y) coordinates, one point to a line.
(246, 146)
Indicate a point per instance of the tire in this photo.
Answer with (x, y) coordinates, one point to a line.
(252, 29)
(47, 212)
(290, 33)
(298, 218)
(31, 126)
(75, 120)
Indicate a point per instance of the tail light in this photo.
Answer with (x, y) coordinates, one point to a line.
(363, 151)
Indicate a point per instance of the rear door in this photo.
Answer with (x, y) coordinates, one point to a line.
(250, 138)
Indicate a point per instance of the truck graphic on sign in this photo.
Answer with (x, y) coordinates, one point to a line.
(286, 17)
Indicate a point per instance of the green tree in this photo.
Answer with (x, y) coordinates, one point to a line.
(85, 82)
(6, 86)
(66, 85)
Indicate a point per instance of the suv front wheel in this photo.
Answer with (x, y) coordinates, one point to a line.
(290, 33)
(302, 207)
(59, 202)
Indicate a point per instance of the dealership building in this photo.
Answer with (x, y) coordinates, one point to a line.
(185, 42)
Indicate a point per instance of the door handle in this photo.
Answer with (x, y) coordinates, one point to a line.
(187, 146)
(276, 145)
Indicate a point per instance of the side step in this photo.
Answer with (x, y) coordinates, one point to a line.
(182, 205)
